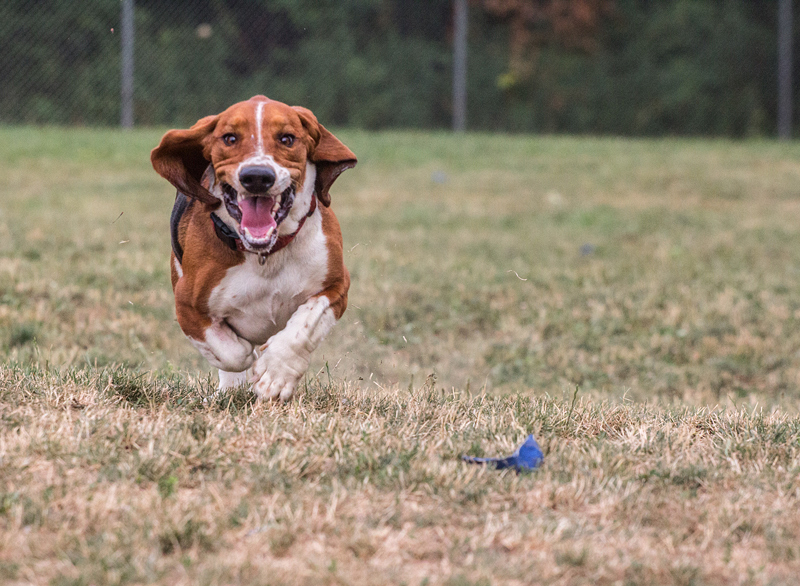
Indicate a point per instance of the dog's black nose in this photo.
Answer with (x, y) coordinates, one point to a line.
(257, 179)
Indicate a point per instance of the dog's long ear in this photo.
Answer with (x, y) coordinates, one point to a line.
(179, 158)
(327, 152)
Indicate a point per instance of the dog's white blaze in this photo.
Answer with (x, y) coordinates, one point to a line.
(260, 158)
(259, 120)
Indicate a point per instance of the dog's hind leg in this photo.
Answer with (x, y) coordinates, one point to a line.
(231, 380)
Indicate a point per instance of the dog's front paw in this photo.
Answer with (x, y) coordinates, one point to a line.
(276, 385)
(276, 372)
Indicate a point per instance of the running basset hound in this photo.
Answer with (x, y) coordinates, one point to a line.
(257, 267)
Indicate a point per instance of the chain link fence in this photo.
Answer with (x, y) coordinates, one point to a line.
(61, 61)
(59, 64)
(654, 68)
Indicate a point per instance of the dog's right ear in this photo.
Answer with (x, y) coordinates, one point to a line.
(180, 159)
(327, 152)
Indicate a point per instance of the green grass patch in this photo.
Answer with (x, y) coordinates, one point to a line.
(631, 302)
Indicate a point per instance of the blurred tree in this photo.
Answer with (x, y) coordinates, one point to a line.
(58, 64)
(371, 63)
(533, 24)
(655, 67)
(601, 66)
(686, 67)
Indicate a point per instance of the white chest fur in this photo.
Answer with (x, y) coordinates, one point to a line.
(257, 301)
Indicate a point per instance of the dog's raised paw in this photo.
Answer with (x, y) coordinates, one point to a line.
(277, 388)
(276, 372)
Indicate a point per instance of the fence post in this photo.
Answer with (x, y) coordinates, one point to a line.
(126, 89)
(785, 69)
(460, 66)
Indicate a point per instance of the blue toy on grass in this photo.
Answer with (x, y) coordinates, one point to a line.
(527, 457)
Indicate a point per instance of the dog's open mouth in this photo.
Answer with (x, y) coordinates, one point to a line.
(258, 216)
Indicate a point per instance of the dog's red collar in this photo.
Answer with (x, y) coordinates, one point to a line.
(233, 241)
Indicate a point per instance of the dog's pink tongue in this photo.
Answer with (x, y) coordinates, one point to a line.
(257, 216)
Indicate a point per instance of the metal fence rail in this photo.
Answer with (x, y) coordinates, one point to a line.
(71, 62)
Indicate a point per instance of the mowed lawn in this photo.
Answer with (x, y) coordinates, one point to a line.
(634, 303)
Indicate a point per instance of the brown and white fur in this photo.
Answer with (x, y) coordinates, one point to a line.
(256, 313)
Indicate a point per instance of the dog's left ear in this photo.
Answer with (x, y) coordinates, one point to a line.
(327, 152)
(180, 158)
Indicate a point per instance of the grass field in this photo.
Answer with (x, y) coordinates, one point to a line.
(634, 303)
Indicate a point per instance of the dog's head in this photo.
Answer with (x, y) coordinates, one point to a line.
(258, 151)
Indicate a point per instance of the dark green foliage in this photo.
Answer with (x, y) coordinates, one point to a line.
(659, 67)
(689, 67)
(59, 64)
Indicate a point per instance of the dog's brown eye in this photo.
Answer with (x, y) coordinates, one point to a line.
(287, 140)
(229, 139)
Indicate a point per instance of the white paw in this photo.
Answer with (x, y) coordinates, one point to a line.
(276, 372)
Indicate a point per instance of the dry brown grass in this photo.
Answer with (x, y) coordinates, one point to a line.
(111, 478)
(658, 277)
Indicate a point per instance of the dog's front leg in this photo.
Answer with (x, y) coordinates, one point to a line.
(231, 380)
(224, 349)
(215, 340)
(285, 357)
